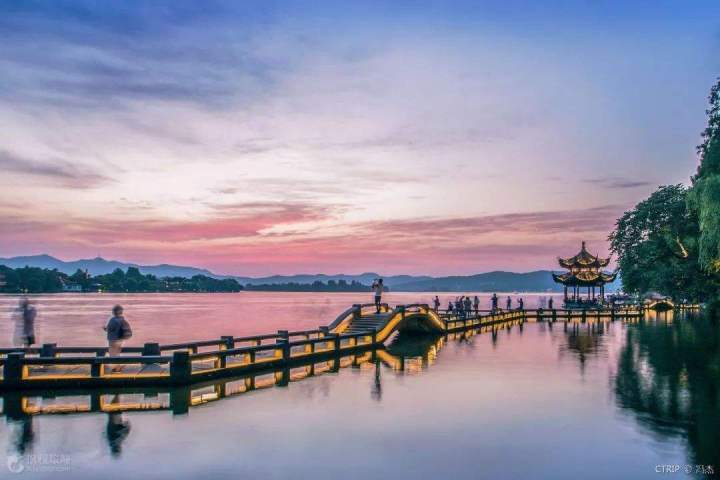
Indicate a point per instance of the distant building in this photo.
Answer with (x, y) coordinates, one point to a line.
(584, 271)
(71, 287)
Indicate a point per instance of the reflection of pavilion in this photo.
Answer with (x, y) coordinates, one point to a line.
(585, 341)
(584, 271)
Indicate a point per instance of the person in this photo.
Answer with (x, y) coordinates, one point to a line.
(118, 330)
(25, 323)
(459, 307)
(450, 307)
(467, 303)
(476, 304)
(521, 304)
(550, 303)
(509, 302)
(436, 303)
(377, 286)
(494, 302)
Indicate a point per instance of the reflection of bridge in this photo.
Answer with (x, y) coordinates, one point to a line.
(405, 354)
(356, 330)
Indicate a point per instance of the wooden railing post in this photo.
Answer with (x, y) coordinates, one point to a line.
(48, 350)
(285, 348)
(336, 342)
(180, 367)
(151, 348)
(97, 369)
(13, 369)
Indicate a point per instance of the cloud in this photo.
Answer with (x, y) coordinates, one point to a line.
(263, 238)
(618, 183)
(55, 171)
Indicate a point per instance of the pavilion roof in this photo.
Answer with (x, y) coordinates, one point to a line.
(583, 259)
(585, 278)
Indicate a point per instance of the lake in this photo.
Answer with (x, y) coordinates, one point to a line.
(609, 400)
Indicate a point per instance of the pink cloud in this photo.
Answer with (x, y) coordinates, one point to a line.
(519, 242)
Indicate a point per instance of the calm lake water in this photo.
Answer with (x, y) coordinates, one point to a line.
(614, 400)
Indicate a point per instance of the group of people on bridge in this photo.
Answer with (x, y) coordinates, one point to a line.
(463, 306)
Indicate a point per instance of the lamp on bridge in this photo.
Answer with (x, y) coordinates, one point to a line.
(584, 271)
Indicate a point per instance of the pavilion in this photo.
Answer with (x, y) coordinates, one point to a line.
(584, 271)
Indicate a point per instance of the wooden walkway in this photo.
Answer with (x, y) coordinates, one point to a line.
(358, 329)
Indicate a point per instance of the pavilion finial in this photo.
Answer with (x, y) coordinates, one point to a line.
(583, 244)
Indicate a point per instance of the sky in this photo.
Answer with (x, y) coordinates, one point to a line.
(257, 138)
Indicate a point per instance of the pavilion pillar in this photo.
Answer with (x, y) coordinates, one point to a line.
(565, 292)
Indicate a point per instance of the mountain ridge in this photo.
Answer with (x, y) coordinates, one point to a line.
(497, 280)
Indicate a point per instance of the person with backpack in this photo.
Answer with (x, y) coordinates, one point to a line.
(118, 330)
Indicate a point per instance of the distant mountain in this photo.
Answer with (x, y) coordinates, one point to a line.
(100, 266)
(538, 281)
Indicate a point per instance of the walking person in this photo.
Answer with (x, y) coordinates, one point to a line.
(118, 330)
(25, 324)
(509, 303)
(377, 286)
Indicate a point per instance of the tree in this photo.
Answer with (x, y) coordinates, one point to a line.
(656, 244)
(704, 196)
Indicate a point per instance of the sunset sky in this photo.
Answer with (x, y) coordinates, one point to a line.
(270, 137)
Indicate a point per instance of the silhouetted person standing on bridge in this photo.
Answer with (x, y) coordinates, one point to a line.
(550, 303)
(436, 303)
(476, 304)
(118, 330)
(494, 302)
(467, 304)
(509, 303)
(377, 286)
(521, 304)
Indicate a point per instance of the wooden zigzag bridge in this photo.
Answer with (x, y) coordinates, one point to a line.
(359, 329)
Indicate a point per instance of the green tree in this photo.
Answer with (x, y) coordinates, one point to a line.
(656, 244)
(704, 196)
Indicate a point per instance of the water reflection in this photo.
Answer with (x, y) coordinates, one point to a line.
(405, 354)
(668, 379)
(585, 340)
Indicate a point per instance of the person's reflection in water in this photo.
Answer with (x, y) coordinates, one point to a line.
(23, 435)
(376, 391)
(116, 430)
